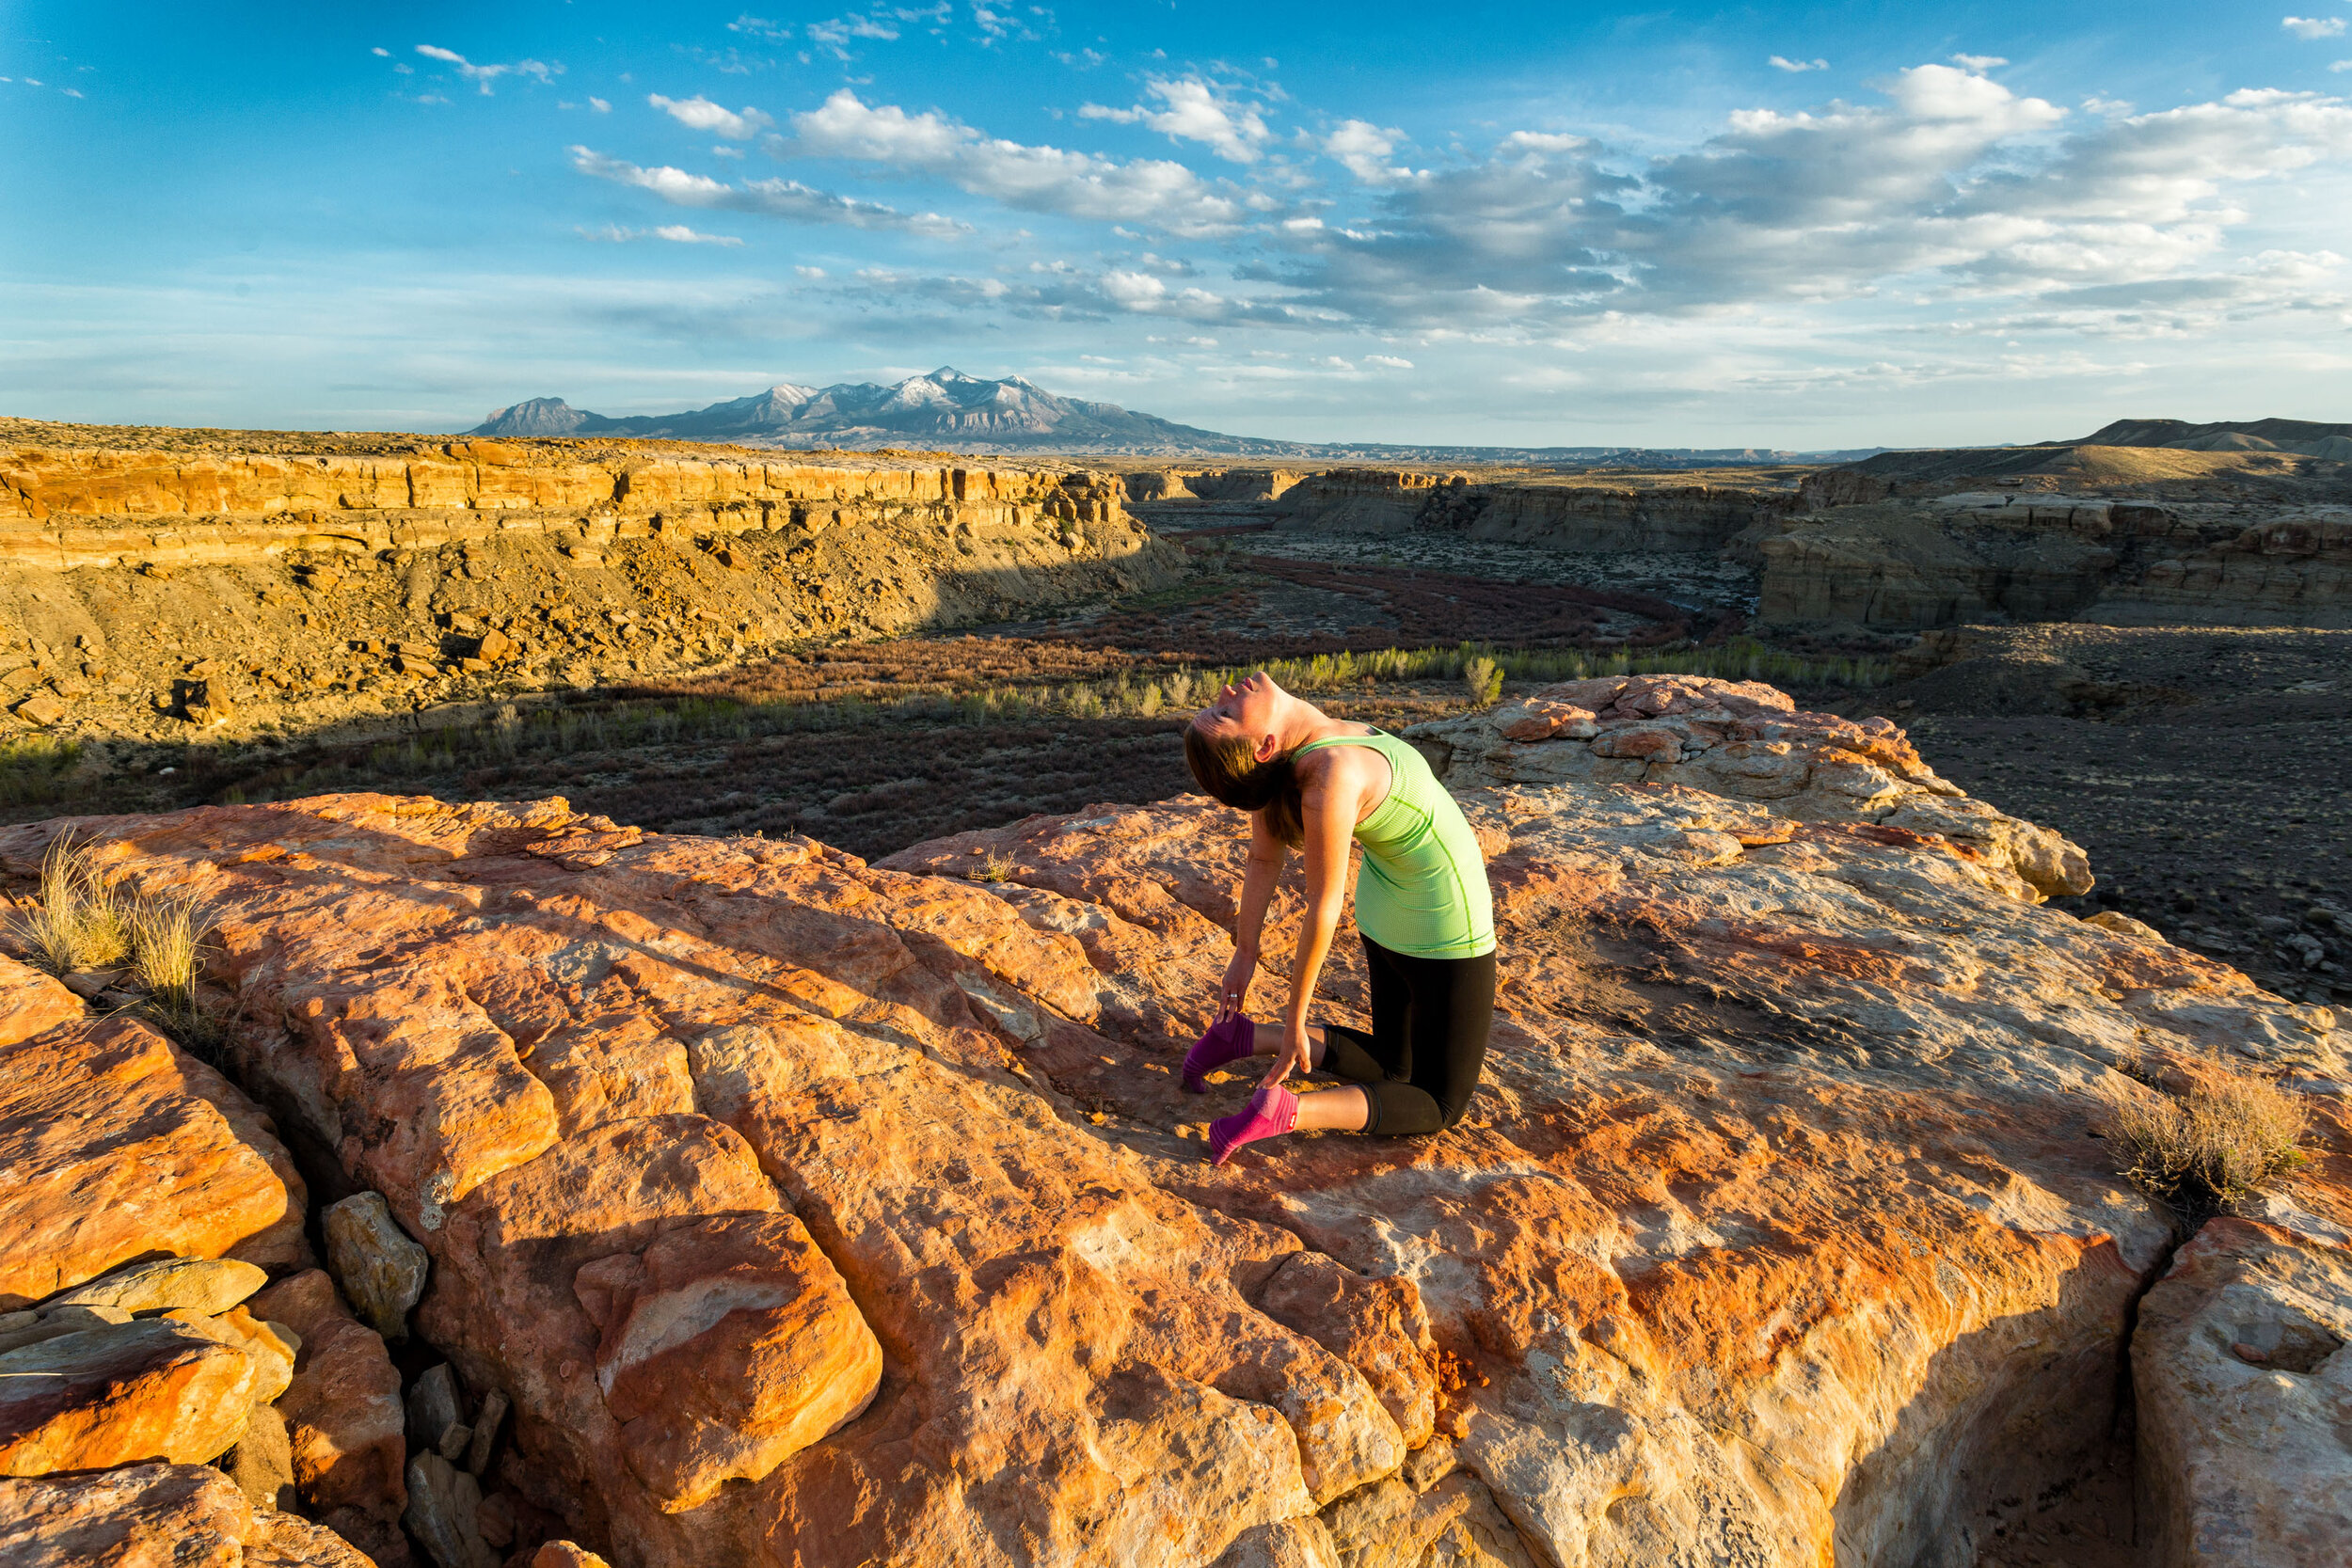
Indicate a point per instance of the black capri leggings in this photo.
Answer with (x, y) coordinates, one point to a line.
(1429, 1023)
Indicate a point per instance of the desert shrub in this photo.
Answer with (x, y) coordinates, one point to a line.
(1148, 703)
(82, 920)
(2230, 1136)
(1482, 677)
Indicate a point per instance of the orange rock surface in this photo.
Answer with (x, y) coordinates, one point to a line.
(344, 1415)
(155, 1516)
(1779, 1233)
(118, 1143)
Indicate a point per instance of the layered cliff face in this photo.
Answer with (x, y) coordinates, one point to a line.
(1685, 518)
(1913, 565)
(810, 1211)
(1209, 485)
(139, 590)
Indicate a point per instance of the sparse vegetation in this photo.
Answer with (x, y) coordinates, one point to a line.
(82, 921)
(86, 921)
(2230, 1135)
(33, 768)
(1482, 677)
(996, 868)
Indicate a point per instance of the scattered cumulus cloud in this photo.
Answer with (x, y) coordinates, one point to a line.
(1359, 146)
(381, 52)
(1159, 193)
(677, 233)
(1782, 62)
(482, 75)
(2314, 26)
(1193, 109)
(700, 114)
(1978, 62)
(782, 199)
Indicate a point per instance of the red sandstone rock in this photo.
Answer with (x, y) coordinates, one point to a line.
(343, 1417)
(120, 1145)
(119, 1395)
(155, 1516)
(1776, 1230)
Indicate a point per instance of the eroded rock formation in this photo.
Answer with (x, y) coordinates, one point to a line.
(147, 591)
(810, 1211)
(1680, 517)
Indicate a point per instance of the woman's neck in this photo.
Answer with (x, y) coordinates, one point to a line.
(1309, 722)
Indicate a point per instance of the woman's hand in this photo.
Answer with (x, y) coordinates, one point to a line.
(1234, 989)
(1295, 1057)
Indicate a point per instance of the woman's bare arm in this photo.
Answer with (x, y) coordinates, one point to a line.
(1332, 801)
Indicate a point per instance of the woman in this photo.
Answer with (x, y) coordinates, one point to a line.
(1311, 781)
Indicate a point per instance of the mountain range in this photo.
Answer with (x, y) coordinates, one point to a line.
(950, 410)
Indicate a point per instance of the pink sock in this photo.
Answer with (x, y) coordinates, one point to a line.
(1273, 1110)
(1229, 1039)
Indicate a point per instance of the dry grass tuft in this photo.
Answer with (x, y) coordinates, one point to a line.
(996, 868)
(2231, 1137)
(83, 921)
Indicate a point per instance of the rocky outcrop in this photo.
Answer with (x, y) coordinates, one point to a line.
(1747, 742)
(343, 1417)
(119, 1146)
(805, 1211)
(2243, 1393)
(1209, 485)
(144, 592)
(1685, 518)
(1911, 565)
(155, 1517)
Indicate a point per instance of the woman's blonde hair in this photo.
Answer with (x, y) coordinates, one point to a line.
(1228, 769)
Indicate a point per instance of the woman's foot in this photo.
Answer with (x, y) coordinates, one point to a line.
(1229, 1039)
(1273, 1111)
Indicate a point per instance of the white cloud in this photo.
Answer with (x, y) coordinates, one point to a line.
(760, 28)
(71, 93)
(677, 233)
(1781, 62)
(1359, 146)
(810, 272)
(783, 198)
(1954, 187)
(1979, 63)
(1194, 110)
(700, 114)
(1388, 361)
(600, 105)
(834, 36)
(381, 52)
(2342, 65)
(1161, 194)
(2314, 26)
(482, 75)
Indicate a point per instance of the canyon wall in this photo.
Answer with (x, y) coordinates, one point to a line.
(1915, 564)
(1676, 518)
(296, 588)
(806, 1212)
(1209, 485)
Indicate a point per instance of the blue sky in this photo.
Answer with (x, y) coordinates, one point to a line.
(1800, 226)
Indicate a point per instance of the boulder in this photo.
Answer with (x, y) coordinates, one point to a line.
(343, 1417)
(119, 1395)
(121, 1146)
(155, 1515)
(2244, 1390)
(262, 1464)
(1779, 1228)
(381, 1271)
(271, 1346)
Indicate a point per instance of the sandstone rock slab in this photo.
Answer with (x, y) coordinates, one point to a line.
(201, 1285)
(119, 1395)
(1779, 1228)
(121, 1146)
(155, 1515)
(2245, 1394)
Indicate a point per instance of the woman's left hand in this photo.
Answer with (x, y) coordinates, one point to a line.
(1295, 1057)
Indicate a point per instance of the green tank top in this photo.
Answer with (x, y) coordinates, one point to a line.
(1422, 889)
